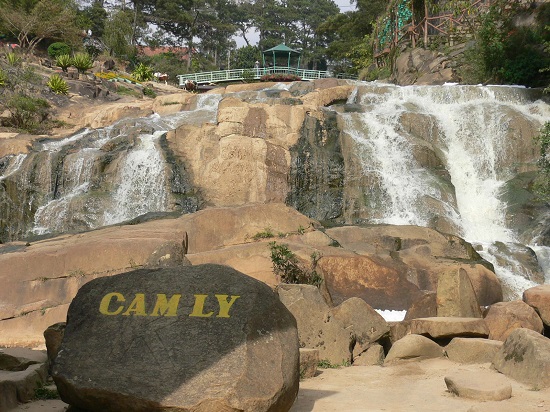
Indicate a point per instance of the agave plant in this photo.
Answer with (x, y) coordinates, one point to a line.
(82, 62)
(58, 85)
(13, 59)
(143, 73)
(64, 61)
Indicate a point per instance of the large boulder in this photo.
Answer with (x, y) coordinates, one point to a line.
(367, 325)
(525, 357)
(472, 350)
(538, 298)
(197, 338)
(414, 346)
(504, 317)
(317, 327)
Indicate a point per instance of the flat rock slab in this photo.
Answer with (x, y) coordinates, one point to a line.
(447, 327)
(19, 359)
(479, 385)
(191, 338)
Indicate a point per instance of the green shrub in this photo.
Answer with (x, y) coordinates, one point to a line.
(82, 62)
(143, 73)
(13, 59)
(58, 49)
(3, 78)
(26, 111)
(149, 92)
(64, 61)
(280, 77)
(287, 266)
(58, 85)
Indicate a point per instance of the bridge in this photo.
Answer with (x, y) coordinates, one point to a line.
(253, 74)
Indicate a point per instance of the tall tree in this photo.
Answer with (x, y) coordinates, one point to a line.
(117, 34)
(32, 21)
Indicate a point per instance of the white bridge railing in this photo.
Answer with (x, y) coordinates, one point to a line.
(250, 74)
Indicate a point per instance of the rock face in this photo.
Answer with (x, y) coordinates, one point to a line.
(397, 264)
(197, 338)
(525, 356)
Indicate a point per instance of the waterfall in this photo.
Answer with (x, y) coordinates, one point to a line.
(141, 184)
(97, 177)
(471, 127)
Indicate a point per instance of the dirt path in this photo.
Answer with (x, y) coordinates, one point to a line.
(409, 386)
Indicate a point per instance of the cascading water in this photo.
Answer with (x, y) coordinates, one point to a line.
(100, 177)
(471, 126)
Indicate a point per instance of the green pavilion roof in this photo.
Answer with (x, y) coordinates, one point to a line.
(281, 48)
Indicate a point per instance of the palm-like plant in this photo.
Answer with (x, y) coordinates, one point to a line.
(58, 85)
(82, 62)
(64, 61)
(143, 73)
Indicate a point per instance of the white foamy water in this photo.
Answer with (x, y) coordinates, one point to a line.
(141, 185)
(471, 124)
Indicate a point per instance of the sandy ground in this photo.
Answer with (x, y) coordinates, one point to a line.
(409, 386)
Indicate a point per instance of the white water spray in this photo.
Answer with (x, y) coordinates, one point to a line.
(471, 126)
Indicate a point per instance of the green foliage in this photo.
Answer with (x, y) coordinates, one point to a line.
(27, 112)
(143, 73)
(58, 85)
(542, 181)
(280, 77)
(246, 56)
(64, 61)
(13, 59)
(58, 49)
(288, 267)
(326, 364)
(248, 75)
(117, 34)
(126, 91)
(82, 62)
(149, 92)
(44, 393)
(266, 234)
(3, 78)
(504, 53)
